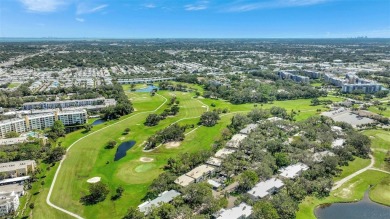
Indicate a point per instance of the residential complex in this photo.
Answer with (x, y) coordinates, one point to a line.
(241, 211)
(164, 197)
(265, 188)
(352, 83)
(42, 121)
(17, 168)
(69, 104)
(292, 76)
(9, 203)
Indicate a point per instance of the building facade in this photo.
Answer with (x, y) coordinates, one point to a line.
(17, 168)
(42, 121)
(9, 203)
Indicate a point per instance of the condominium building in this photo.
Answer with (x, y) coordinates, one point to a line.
(42, 121)
(297, 78)
(68, 104)
(17, 168)
(365, 88)
(9, 203)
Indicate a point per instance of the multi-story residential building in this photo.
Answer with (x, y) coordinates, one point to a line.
(334, 80)
(289, 75)
(42, 121)
(9, 202)
(68, 104)
(17, 168)
(365, 88)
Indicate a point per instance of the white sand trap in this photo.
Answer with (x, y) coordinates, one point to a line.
(146, 159)
(172, 144)
(122, 138)
(204, 106)
(94, 180)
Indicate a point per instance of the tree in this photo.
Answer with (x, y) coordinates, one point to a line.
(97, 193)
(281, 159)
(119, 191)
(111, 144)
(258, 114)
(12, 134)
(88, 127)
(278, 111)
(57, 130)
(56, 154)
(197, 194)
(264, 210)
(152, 120)
(134, 213)
(315, 102)
(247, 180)
(127, 130)
(209, 119)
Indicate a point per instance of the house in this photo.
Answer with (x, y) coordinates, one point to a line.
(293, 171)
(235, 141)
(200, 172)
(274, 119)
(195, 175)
(214, 161)
(318, 157)
(9, 202)
(214, 183)
(184, 180)
(17, 168)
(265, 188)
(338, 143)
(248, 129)
(224, 152)
(164, 197)
(239, 212)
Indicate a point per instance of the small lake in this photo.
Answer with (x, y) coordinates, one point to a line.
(98, 122)
(122, 149)
(149, 88)
(364, 209)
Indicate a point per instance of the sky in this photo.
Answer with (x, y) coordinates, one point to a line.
(195, 18)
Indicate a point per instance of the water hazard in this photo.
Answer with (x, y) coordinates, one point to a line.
(365, 209)
(122, 149)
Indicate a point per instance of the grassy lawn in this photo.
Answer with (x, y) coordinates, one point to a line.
(88, 158)
(375, 109)
(14, 84)
(380, 144)
(351, 191)
(381, 192)
(352, 167)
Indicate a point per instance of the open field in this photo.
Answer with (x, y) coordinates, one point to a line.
(88, 158)
(14, 84)
(380, 145)
(351, 191)
(352, 167)
(375, 109)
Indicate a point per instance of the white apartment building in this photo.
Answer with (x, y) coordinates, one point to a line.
(9, 202)
(42, 121)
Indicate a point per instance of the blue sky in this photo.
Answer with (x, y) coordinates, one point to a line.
(195, 18)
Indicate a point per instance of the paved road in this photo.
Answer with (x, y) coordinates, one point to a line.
(59, 166)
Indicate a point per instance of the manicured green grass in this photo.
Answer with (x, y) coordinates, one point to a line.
(375, 109)
(13, 85)
(88, 158)
(380, 144)
(352, 167)
(380, 193)
(351, 191)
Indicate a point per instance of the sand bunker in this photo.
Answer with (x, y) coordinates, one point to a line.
(146, 159)
(122, 138)
(94, 180)
(173, 144)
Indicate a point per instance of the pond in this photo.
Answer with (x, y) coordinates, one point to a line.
(149, 88)
(122, 149)
(98, 122)
(364, 209)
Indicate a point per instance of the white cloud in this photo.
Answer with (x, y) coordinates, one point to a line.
(200, 5)
(43, 5)
(86, 9)
(242, 6)
(80, 19)
(150, 5)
